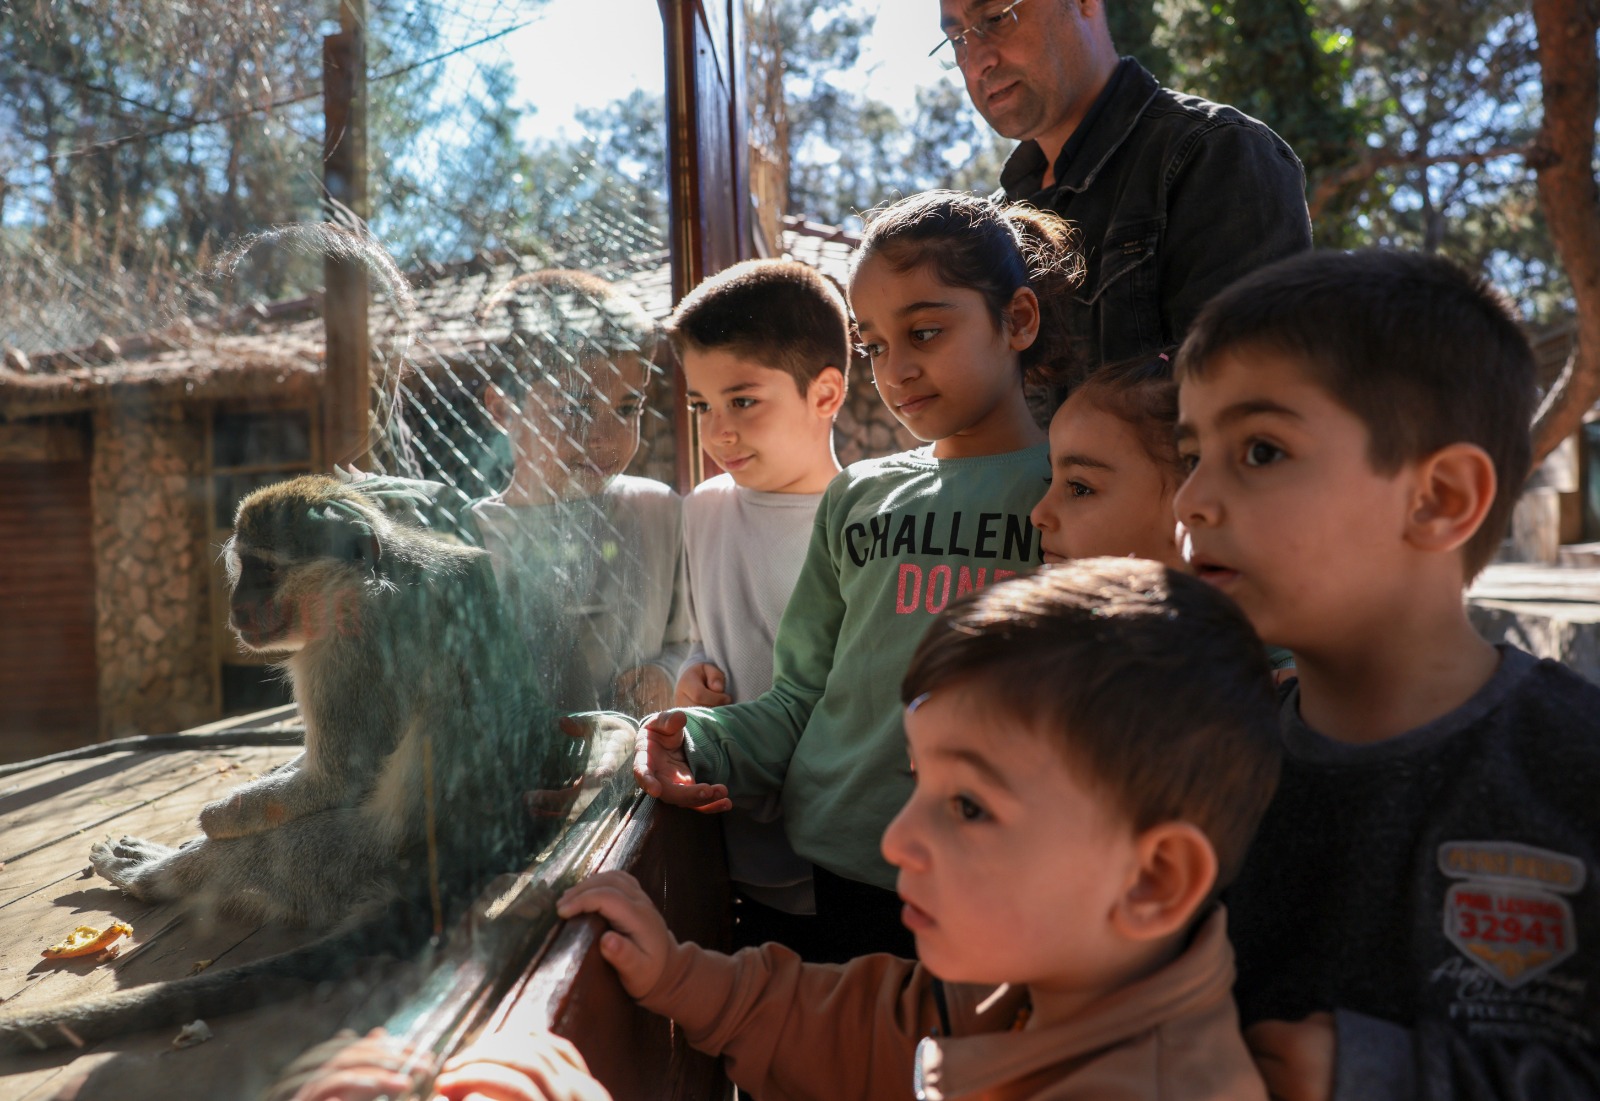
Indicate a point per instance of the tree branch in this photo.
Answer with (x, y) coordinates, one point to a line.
(1563, 158)
(1327, 187)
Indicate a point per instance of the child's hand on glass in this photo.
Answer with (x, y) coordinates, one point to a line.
(638, 942)
(702, 685)
(661, 766)
(509, 1067)
(366, 1069)
(500, 1067)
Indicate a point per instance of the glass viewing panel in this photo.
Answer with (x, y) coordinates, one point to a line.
(492, 594)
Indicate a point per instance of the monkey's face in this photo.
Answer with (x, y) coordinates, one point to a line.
(298, 574)
(280, 605)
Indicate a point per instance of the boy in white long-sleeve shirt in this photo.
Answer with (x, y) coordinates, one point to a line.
(764, 346)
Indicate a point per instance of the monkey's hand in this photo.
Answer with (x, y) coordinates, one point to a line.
(639, 943)
(267, 803)
(661, 767)
(132, 864)
(702, 685)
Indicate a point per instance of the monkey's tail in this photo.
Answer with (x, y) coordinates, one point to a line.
(178, 1001)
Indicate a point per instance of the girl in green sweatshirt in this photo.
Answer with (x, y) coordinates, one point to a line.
(951, 296)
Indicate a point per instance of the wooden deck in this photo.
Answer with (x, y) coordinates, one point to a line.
(50, 814)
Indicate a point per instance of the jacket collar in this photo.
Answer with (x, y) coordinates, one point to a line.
(1132, 88)
(985, 1055)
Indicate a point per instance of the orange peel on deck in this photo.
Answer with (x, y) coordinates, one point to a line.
(86, 940)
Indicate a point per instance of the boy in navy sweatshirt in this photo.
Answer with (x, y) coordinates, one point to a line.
(1418, 916)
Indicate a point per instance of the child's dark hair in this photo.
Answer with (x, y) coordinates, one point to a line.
(973, 242)
(1424, 353)
(1151, 682)
(780, 313)
(538, 325)
(1142, 393)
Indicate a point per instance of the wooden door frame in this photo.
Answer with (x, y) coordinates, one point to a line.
(708, 167)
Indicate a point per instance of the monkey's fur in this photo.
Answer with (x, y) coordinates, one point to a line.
(423, 729)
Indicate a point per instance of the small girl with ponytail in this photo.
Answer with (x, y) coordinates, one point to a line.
(1115, 466)
(1114, 469)
(952, 299)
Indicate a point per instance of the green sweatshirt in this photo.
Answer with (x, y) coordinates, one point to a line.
(895, 540)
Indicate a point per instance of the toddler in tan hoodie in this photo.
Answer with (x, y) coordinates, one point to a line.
(1092, 749)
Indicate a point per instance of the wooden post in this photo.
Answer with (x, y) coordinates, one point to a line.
(707, 165)
(346, 395)
(683, 207)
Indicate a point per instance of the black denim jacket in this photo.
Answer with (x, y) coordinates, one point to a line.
(1175, 198)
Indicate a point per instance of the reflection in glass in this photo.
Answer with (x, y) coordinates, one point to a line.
(580, 547)
(531, 424)
(253, 439)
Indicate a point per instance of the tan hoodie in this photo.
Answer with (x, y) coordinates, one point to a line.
(870, 1029)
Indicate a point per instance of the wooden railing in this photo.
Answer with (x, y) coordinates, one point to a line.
(677, 857)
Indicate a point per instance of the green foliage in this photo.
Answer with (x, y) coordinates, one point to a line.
(136, 150)
(444, 156)
(452, 178)
(134, 143)
(631, 137)
(598, 200)
(1269, 59)
(1134, 30)
(843, 151)
(1444, 79)
(1389, 103)
(949, 144)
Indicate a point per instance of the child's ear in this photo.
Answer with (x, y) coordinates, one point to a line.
(1022, 319)
(825, 392)
(1455, 490)
(1176, 871)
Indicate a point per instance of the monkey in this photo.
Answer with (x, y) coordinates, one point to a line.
(417, 694)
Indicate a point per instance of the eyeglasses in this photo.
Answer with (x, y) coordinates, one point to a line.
(993, 25)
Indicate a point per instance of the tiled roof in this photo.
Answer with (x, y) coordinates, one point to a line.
(270, 347)
(277, 348)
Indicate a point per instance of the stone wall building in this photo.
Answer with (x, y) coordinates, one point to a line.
(122, 436)
(152, 601)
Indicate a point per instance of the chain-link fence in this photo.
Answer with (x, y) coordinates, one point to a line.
(163, 188)
(167, 247)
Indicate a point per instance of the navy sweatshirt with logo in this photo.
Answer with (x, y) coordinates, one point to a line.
(1438, 892)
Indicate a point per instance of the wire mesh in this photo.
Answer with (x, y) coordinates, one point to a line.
(164, 237)
(163, 189)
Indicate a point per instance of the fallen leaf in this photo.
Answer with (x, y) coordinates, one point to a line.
(86, 940)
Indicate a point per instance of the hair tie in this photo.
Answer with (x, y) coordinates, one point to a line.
(1163, 357)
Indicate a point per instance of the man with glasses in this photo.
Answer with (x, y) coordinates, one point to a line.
(1175, 197)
